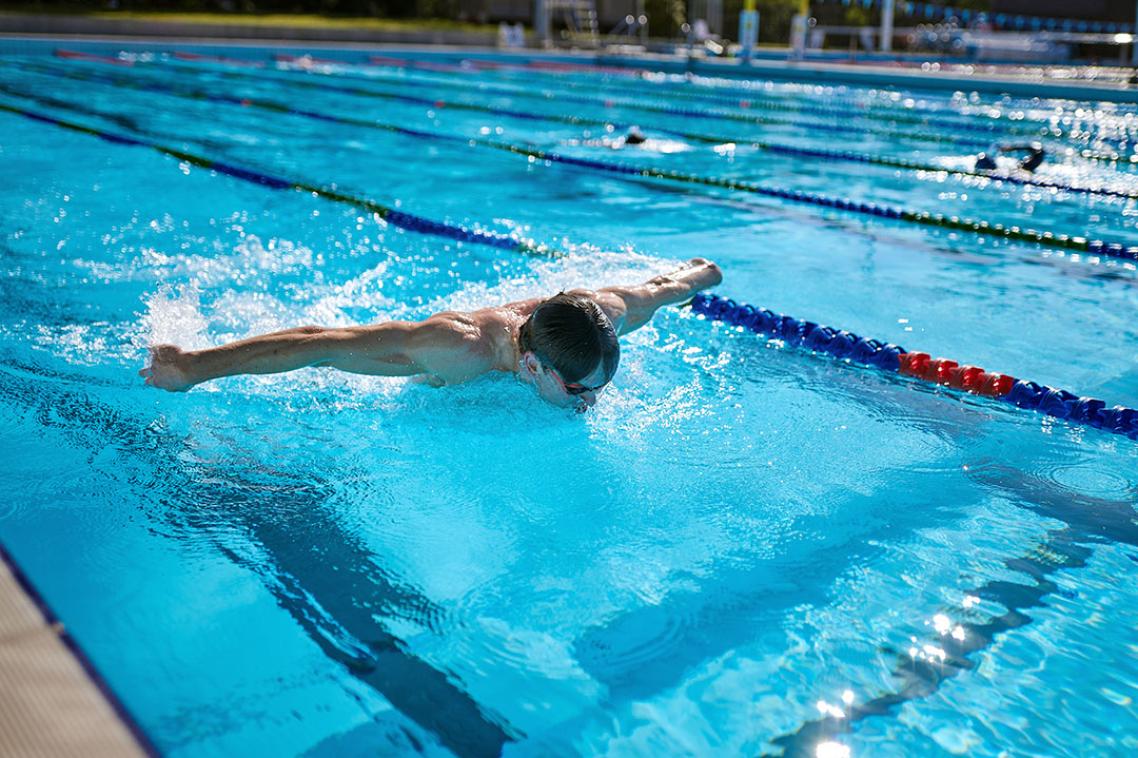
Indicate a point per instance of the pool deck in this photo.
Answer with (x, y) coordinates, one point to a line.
(50, 705)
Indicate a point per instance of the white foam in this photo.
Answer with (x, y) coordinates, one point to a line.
(173, 315)
(86, 344)
(188, 317)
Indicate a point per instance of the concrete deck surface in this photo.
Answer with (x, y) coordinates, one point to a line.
(49, 705)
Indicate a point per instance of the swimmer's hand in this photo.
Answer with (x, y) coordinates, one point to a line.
(169, 368)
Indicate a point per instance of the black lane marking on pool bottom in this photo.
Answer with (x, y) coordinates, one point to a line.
(292, 73)
(710, 92)
(756, 101)
(921, 677)
(647, 650)
(1084, 152)
(1088, 520)
(271, 508)
(1111, 249)
(712, 613)
(78, 653)
(1047, 239)
(394, 217)
(232, 74)
(126, 122)
(847, 156)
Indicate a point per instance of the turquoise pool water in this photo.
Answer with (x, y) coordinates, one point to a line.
(743, 549)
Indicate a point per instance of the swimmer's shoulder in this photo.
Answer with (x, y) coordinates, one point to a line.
(453, 347)
(455, 329)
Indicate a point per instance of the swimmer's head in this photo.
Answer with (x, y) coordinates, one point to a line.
(1034, 158)
(569, 350)
(634, 136)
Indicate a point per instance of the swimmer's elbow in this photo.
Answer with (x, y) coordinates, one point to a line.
(715, 274)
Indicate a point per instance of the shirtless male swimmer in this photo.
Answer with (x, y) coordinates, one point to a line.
(565, 347)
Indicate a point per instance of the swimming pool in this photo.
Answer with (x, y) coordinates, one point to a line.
(746, 548)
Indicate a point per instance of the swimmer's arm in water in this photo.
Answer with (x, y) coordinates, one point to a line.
(632, 307)
(447, 348)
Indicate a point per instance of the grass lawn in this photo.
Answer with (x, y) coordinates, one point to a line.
(266, 19)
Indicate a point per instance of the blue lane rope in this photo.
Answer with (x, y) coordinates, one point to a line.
(757, 101)
(668, 110)
(840, 344)
(401, 219)
(733, 93)
(1043, 130)
(1086, 153)
(884, 356)
(780, 149)
(1094, 247)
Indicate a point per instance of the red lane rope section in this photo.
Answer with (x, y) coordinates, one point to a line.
(951, 374)
(217, 59)
(78, 56)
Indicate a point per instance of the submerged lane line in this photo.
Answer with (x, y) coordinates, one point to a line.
(392, 216)
(922, 671)
(840, 127)
(1086, 153)
(347, 614)
(555, 98)
(781, 149)
(671, 83)
(1048, 239)
(757, 101)
(888, 357)
(375, 94)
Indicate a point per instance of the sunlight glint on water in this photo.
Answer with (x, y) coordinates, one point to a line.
(743, 549)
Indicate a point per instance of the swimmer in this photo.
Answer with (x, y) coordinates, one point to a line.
(631, 137)
(1032, 161)
(565, 346)
(634, 137)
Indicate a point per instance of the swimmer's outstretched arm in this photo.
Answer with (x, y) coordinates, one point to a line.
(447, 347)
(632, 307)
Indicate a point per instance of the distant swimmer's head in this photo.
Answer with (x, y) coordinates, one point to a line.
(985, 162)
(634, 136)
(1034, 158)
(569, 350)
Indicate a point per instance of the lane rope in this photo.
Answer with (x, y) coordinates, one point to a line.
(398, 218)
(1043, 129)
(756, 100)
(1097, 247)
(1113, 158)
(737, 94)
(884, 356)
(777, 148)
(608, 103)
(796, 332)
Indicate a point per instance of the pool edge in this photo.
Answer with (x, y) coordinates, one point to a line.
(53, 701)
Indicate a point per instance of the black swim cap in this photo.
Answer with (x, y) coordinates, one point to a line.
(573, 335)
